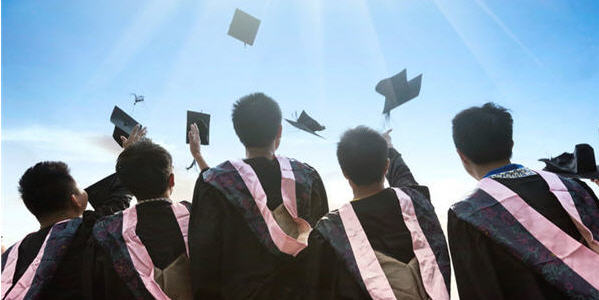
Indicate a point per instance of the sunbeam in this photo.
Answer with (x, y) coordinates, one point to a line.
(507, 31)
(132, 40)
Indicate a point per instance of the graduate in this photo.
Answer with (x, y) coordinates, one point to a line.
(47, 264)
(522, 234)
(251, 217)
(142, 252)
(386, 243)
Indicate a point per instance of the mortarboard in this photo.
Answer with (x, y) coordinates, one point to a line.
(580, 164)
(244, 27)
(123, 124)
(398, 90)
(307, 123)
(203, 122)
(108, 194)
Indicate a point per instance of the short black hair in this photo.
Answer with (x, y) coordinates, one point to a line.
(46, 188)
(484, 134)
(256, 118)
(362, 154)
(144, 169)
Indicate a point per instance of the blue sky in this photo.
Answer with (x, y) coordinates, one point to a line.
(66, 64)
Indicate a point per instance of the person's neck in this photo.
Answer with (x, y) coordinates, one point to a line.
(365, 191)
(55, 218)
(481, 170)
(166, 195)
(267, 152)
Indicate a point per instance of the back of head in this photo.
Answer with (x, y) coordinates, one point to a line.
(362, 154)
(144, 168)
(257, 119)
(484, 134)
(46, 188)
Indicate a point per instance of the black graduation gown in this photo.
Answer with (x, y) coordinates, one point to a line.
(227, 259)
(325, 272)
(158, 230)
(486, 270)
(66, 282)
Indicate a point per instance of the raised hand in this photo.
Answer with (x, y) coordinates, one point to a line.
(195, 142)
(136, 135)
(387, 137)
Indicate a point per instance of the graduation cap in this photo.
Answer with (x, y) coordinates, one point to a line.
(244, 27)
(203, 122)
(306, 123)
(580, 164)
(108, 195)
(123, 124)
(398, 90)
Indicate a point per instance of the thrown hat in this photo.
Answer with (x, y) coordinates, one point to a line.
(123, 124)
(307, 123)
(244, 27)
(203, 122)
(398, 90)
(580, 164)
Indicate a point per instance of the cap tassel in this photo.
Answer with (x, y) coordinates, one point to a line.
(193, 163)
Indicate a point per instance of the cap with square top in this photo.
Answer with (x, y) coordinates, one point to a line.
(123, 124)
(307, 124)
(203, 122)
(398, 90)
(244, 27)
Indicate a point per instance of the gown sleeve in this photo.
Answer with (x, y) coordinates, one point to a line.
(112, 198)
(399, 175)
(320, 204)
(485, 270)
(205, 244)
(471, 259)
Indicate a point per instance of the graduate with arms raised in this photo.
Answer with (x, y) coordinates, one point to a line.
(522, 234)
(251, 217)
(386, 243)
(142, 252)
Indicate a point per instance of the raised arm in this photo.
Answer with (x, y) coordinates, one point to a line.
(194, 147)
(398, 175)
(109, 195)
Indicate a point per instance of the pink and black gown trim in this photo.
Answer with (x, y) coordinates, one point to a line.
(41, 271)
(233, 185)
(108, 234)
(484, 213)
(332, 229)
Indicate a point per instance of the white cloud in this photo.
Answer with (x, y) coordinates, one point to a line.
(59, 143)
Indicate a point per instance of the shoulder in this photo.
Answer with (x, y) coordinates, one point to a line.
(187, 204)
(472, 204)
(215, 172)
(302, 166)
(576, 185)
(329, 223)
(419, 194)
(108, 224)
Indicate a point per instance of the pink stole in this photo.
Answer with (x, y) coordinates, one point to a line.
(371, 271)
(284, 242)
(139, 254)
(22, 285)
(582, 260)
